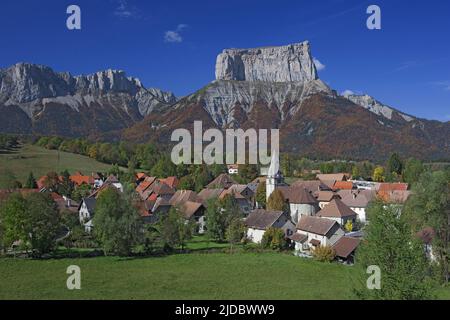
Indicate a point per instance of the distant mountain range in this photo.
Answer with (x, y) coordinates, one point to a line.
(270, 87)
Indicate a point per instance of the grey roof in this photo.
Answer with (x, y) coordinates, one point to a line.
(357, 198)
(262, 219)
(90, 204)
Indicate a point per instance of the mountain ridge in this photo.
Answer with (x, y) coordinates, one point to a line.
(253, 89)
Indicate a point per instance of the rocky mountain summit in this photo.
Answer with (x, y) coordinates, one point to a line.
(262, 88)
(42, 94)
(291, 63)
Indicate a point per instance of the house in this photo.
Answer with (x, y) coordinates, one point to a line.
(233, 169)
(171, 182)
(338, 211)
(207, 194)
(314, 232)
(191, 206)
(358, 201)
(114, 181)
(65, 204)
(343, 185)
(395, 196)
(325, 197)
(78, 179)
(301, 202)
(86, 211)
(345, 249)
(259, 220)
(222, 181)
(312, 185)
(333, 176)
(244, 196)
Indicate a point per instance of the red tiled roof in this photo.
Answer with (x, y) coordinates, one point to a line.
(171, 181)
(343, 185)
(79, 180)
(385, 187)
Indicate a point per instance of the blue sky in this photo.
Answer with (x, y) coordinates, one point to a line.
(172, 45)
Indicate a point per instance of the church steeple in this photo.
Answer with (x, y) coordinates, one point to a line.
(274, 176)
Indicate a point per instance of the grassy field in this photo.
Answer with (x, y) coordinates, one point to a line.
(194, 275)
(41, 161)
(180, 276)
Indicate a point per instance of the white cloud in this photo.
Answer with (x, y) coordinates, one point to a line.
(347, 93)
(174, 36)
(124, 10)
(443, 84)
(319, 65)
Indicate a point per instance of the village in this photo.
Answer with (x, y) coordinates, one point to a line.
(329, 211)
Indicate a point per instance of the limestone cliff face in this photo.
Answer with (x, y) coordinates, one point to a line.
(106, 100)
(290, 63)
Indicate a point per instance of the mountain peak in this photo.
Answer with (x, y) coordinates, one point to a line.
(288, 63)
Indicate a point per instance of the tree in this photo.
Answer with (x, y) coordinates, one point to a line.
(356, 172)
(14, 218)
(215, 222)
(230, 209)
(44, 222)
(117, 224)
(378, 174)
(390, 245)
(80, 192)
(175, 230)
(65, 186)
(274, 239)
(31, 181)
(33, 220)
(413, 170)
(248, 172)
(394, 164)
(51, 181)
(235, 232)
(324, 254)
(261, 194)
(276, 201)
(429, 206)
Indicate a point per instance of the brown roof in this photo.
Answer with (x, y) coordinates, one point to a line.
(298, 237)
(79, 180)
(298, 195)
(182, 196)
(332, 176)
(222, 181)
(311, 185)
(189, 208)
(315, 225)
(171, 181)
(345, 246)
(357, 198)
(314, 242)
(236, 190)
(336, 209)
(161, 188)
(326, 196)
(207, 194)
(262, 219)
